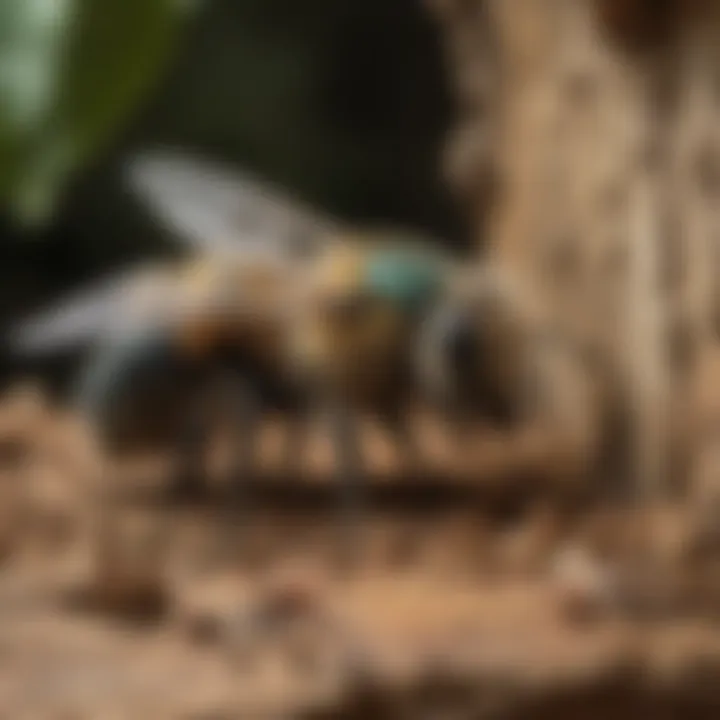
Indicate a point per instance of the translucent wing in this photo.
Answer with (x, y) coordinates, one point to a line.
(89, 314)
(213, 207)
(155, 297)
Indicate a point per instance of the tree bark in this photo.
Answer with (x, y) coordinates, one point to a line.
(587, 150)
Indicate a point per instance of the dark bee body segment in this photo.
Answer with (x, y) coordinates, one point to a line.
(272, 389)
(137, 388)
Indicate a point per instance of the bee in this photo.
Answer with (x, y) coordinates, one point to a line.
(297, 311)
(359, 300)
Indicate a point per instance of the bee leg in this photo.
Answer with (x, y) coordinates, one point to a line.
(294, 445)
(397, 422)
(348, 457)
(246, 415)
(186, 480)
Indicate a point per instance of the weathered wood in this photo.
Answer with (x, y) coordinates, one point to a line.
(599, 123)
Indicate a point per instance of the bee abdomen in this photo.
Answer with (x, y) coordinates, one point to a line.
(133, 385)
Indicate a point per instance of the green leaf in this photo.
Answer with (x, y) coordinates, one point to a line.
(72, 72)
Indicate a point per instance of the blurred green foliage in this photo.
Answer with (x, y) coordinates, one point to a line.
(71, 72)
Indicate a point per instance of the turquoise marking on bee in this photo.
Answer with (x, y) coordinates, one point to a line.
(409, 279)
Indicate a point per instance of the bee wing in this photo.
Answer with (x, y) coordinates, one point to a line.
(213, 208)
(141, 298)
(85, 316)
